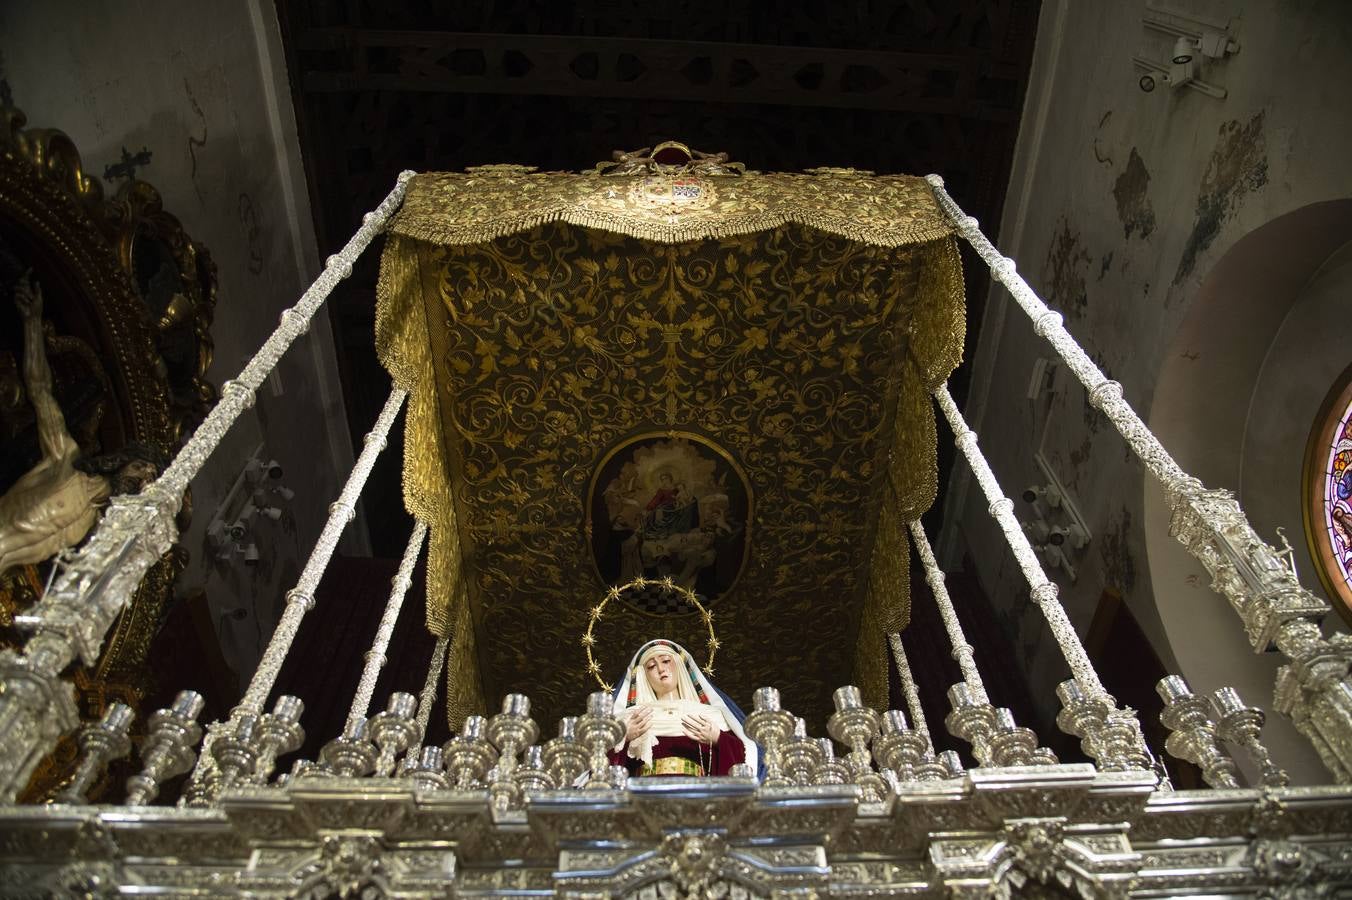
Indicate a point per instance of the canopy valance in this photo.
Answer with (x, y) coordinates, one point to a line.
(687, 371)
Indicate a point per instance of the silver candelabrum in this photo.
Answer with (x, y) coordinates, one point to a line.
(1241, 724)
(898, 747)
(600, 730)
(168, 749)
(565, 756)
(277, 733)
(351, 754)
(393, 730)
(772, 727)
(100, 743)
(510, 731)
(469, 755)
(1193, 732)
(855, 725)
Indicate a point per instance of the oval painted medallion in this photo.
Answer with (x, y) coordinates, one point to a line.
(670, 505)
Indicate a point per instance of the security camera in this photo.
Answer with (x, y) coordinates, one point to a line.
(1044, 492)
(1183, 51)
(273, 469)
(1146, 83)
(1072, 534)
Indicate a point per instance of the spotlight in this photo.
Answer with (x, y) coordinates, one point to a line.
(251, 555)
(1182, 51)
(1147, 83)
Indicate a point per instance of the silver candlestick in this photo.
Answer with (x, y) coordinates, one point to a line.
(351, 754)
(830, 770)
(565, 756)
(1011, 745)
(855, 725)
(1240, 724)
(897, 747)
(100, 743)
(236, 752)
(770, 726)
(393, 730)
(469, 755)
(532, 776)
(511, 731)
(1193, 733)
(168, 748)
(278, 733)
(802, 755)
(427, 770)
(600, 730)
(1082, 716)
(972, 720)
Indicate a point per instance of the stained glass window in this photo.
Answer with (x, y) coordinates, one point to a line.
(1328, 506)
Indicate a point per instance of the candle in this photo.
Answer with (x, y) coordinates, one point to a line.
(244, 728)
(952, 762)
(403, 705)
(600, 703)
(474, 727)
(288, 709)
(568, 728)
(766, 699)
(188, 704)
(1226, 700)
(847, 698)
(1172, 688)
(1004, 719)
(516, 705)
(1069, 692)
(117, 718)
(431, 759)
(960, 695)
(894, 722)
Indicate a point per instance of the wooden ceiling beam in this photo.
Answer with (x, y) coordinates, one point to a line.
(356, 59)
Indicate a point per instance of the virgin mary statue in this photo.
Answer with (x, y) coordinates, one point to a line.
(676, 722)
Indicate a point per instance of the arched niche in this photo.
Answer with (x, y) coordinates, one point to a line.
(1237, 394)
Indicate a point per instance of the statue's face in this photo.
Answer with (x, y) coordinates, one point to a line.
(661, 672)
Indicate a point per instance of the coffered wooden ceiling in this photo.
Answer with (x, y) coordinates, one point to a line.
(897, 87)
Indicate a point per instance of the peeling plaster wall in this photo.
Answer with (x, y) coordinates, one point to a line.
(202, 85)
(1121, 203)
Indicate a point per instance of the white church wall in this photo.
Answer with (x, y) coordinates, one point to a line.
(202, 85)
(1120, 205)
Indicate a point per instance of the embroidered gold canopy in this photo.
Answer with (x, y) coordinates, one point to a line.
(685, 371)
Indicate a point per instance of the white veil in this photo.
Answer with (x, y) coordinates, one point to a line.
(633, 690)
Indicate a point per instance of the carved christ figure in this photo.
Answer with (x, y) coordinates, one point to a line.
(53, 505)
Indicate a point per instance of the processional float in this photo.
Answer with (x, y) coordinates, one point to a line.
(877, 807)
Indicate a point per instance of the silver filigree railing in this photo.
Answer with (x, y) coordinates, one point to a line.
(206, 780)
(996, 739)
(1313, 688)
(72, 618)
(1109, 735)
